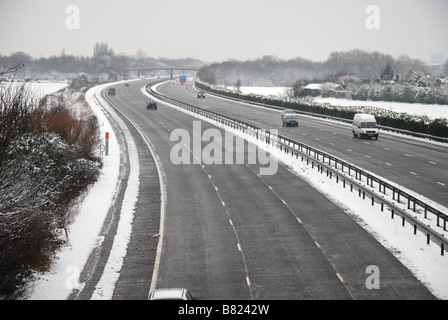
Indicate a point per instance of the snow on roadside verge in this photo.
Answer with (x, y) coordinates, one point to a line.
(84, 232)
(106, 285)
(424, 261)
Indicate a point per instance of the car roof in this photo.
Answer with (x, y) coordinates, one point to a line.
(169, 294)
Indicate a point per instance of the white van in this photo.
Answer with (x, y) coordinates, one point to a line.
(364, 125)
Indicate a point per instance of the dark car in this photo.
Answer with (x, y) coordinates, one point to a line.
(290, 120)
(286, 112)
(201, 94)
(111, 91)
(151, 105)
(126, 84)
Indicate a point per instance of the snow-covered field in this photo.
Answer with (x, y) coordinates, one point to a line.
(39, 89)
(263, 91)
(432, 111)
(425, 261)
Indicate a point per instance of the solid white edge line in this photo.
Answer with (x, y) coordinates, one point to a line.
(162, 205)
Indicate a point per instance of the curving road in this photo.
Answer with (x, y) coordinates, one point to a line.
(418, 166)
(230, 233)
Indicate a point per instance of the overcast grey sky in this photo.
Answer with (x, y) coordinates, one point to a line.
(212, 30)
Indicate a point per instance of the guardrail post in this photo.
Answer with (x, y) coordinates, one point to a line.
(442, 248)
(427, 237)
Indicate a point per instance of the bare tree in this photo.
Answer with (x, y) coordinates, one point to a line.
(8, 69)
(237, 85)
(140, 56)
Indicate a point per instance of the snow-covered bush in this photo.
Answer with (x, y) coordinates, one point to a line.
(81, 80)
(418, 90)
(47, 159)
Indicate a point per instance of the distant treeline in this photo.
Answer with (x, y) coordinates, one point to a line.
(272, 71)
(365, 76)
(103, 61)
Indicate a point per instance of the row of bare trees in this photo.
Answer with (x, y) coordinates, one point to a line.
(273, 71)
(104, 59)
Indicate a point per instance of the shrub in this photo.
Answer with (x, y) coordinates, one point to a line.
(47, 159)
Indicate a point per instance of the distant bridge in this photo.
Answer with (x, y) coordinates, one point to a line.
(138, 69)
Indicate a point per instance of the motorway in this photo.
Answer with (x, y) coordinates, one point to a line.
(230, 233)
(419, 166)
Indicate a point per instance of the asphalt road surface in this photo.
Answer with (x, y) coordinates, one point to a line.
(416, 165)
(230, 233)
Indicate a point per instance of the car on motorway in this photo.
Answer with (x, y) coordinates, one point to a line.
(127, 84)
(201, 94)
(290, 120)
(171, 294)
(111, 91)
(286, 112)
(364, 126)
(151, 105)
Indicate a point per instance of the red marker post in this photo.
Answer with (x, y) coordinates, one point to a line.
(107, 144)
(66, 233)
